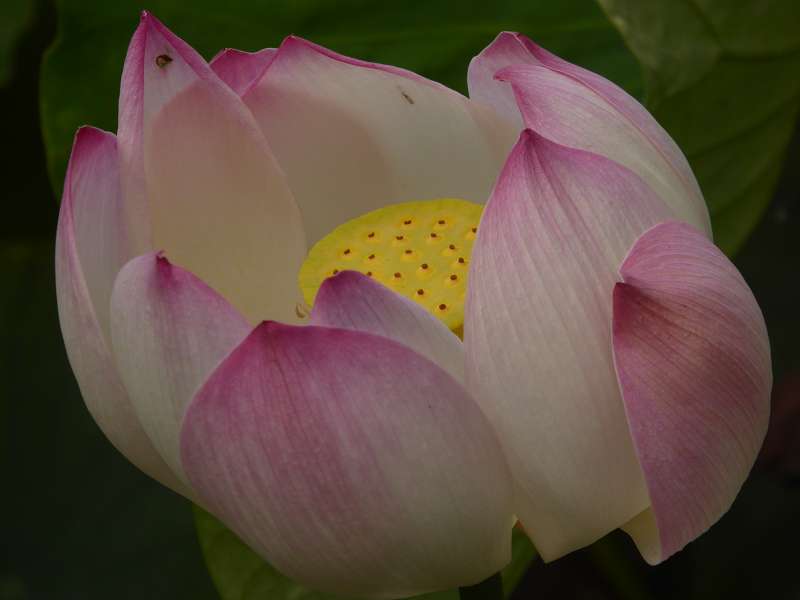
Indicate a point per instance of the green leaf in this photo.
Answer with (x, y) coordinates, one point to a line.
(15, 17)
(80, 76)
(240, 574)
(724, 79)
(488, 589)
(522, 555)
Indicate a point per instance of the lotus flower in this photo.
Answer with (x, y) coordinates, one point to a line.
(615, 368)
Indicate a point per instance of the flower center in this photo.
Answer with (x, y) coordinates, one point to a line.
(418, 249)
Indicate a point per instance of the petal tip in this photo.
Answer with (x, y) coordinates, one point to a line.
(338, 284)
(89, 137)
(268, 327)
(346, 276)
(148, 18)
(530, 139)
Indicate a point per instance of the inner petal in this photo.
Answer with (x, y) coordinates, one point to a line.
(353, 136)
(220, 206)
(420, 250)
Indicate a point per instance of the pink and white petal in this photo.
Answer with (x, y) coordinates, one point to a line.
(351, 300)
(537, 336)
(169, 332)
(578, 108)
(240, 69)
(94, 209)
(351, 463)
(505, 50)
(693, 361)
(89, 229)
(565, 110)
(353, 136)
(130, 142)
(218, 203)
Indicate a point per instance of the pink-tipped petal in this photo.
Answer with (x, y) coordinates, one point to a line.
(351, 300)
(93, 210)
(217, 201)
(169, 332)
(241, 69)
(88, 248)
(537, 336)
(506, 49)
(580, 109)
(130, 136)
(693, 361)
(351, 463)
(353, 136)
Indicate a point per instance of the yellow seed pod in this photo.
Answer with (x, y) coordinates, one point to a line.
(418, 249)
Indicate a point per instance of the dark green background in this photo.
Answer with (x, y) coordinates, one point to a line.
(78, 522)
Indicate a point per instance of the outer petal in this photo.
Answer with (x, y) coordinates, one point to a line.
(693, 362)
(351, 463)
(241, 69)
(169, 332)
(89, 229)
(538, 339)
(505, 50)
(351, 300)
(578, 108)
(214, 193)
(353, 136)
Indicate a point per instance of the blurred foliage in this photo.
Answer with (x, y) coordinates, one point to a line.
(15, 16)
(27, 190)
(240, 574)
(723, 77)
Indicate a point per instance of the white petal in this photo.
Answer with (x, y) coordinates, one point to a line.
(218, 202)
(353, 136)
